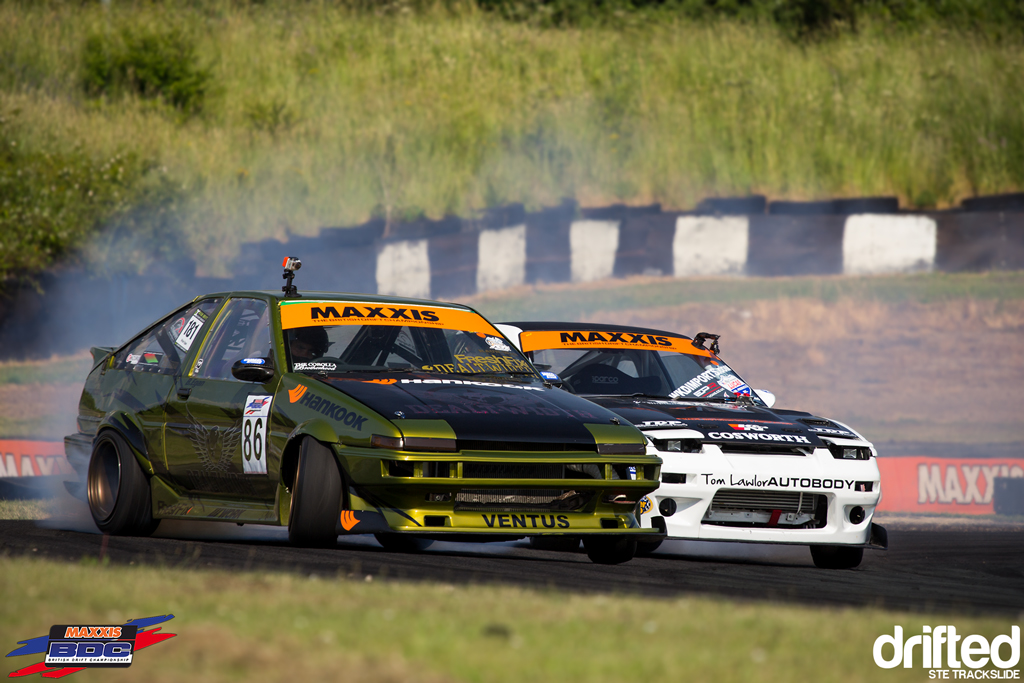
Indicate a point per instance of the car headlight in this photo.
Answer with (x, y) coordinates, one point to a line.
(413, 443)
(849, 452)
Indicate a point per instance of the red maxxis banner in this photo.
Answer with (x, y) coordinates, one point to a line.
(928, 484)
(32, 459)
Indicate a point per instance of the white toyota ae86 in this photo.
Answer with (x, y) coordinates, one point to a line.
(735, 468)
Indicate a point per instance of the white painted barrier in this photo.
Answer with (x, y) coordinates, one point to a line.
(502, 258)
(710, 245)
(403, 269)
(883, 243)
(593, 245)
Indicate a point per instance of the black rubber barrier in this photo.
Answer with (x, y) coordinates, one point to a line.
(795, 245)
(548, 255)
(645, 245)
(453, 264)
(979, 241)
(733, 206)
(1008, 496)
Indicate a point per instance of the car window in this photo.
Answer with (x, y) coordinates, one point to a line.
(242, 331)
(162, 347)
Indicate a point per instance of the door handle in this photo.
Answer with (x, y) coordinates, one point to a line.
(184, 392)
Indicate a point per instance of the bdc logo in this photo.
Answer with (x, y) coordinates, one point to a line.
(974, 652)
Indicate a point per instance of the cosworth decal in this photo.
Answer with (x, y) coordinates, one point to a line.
(756, 482)
(757, 436)
(308, 313)
(533, 340)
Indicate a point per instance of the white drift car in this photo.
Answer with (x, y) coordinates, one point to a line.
(735, 469)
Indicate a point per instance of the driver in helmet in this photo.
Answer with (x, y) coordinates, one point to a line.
(308, 343)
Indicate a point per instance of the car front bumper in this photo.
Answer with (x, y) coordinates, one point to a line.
(718, 496)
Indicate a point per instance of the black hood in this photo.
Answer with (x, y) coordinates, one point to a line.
(725, 422)
(481, 410)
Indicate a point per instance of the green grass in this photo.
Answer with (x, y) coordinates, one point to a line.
(315, 115)
(262, 626)
(574, 302)
(57, 370)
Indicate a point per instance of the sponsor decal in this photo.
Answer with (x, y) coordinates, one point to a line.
(700, 380)
(962, 483)
(296, 393)
(336, 412)
(653, 424)
(133, 358)
(703, 390)
(646, 505)
(532, 340)
(470, 383)
(550, 376)
(602, 379)
(33, 459)
(756, 482)
(348, 520)
(787, 438)
(748, 427)
(949, 655)
(254, 434)
(389, 380)
(190, 331)
(497, 344)
(306, 313)
(465, 363)
(328, 367)
(526, 521)
(254, 361)
(832, 432)
(70, 648)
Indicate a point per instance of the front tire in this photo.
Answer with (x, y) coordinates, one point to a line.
(645, 548)
(614, 550)
(316, 497)
(117, 489)
(836, 556)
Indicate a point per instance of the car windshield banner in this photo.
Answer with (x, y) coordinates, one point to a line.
(308, 313)
(535, 340)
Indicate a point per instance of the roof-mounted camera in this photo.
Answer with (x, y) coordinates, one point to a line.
(702, 337)
(290, 265)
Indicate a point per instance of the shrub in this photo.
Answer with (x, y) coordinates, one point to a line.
(149, 64)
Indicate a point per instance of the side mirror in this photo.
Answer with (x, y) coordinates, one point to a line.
(551, 378)
(766, 396)
(253, 370)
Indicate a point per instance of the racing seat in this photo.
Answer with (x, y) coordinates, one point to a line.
(602, 379)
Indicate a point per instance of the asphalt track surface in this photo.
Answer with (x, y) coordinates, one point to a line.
(964, 571)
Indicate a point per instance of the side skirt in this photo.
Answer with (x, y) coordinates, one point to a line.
(171, 502)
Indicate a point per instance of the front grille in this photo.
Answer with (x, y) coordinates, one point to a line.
(762, 449)
(767, 509)
(501, 500)
(515, 470)
(786, 501)
(525, 446)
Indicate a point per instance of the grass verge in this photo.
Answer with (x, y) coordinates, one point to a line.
(264, 627)
(571, 302)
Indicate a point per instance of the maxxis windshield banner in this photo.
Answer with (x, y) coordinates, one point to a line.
(308, 313)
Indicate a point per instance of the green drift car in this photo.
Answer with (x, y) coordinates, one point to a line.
(351, 414)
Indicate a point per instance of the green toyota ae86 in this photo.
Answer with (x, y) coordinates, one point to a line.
(351, 414)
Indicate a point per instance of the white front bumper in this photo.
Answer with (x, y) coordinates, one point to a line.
(711, 471)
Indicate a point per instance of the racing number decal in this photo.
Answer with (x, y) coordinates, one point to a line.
(254, 434)
(190, 331)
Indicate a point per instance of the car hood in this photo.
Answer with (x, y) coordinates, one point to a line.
(724, 422)
(482, 411)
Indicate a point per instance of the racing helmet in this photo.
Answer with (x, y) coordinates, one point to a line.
(316, 337)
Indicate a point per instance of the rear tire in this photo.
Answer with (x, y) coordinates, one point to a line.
(645, 548)
(836, 556)
(559, 544)
(400, 543)
(316, 497)
(614, 550)
(117, 489)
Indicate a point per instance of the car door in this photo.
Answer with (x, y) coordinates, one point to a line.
(141, 376)
(217, 425)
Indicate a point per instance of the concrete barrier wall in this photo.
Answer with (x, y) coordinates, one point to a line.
(509, 246)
